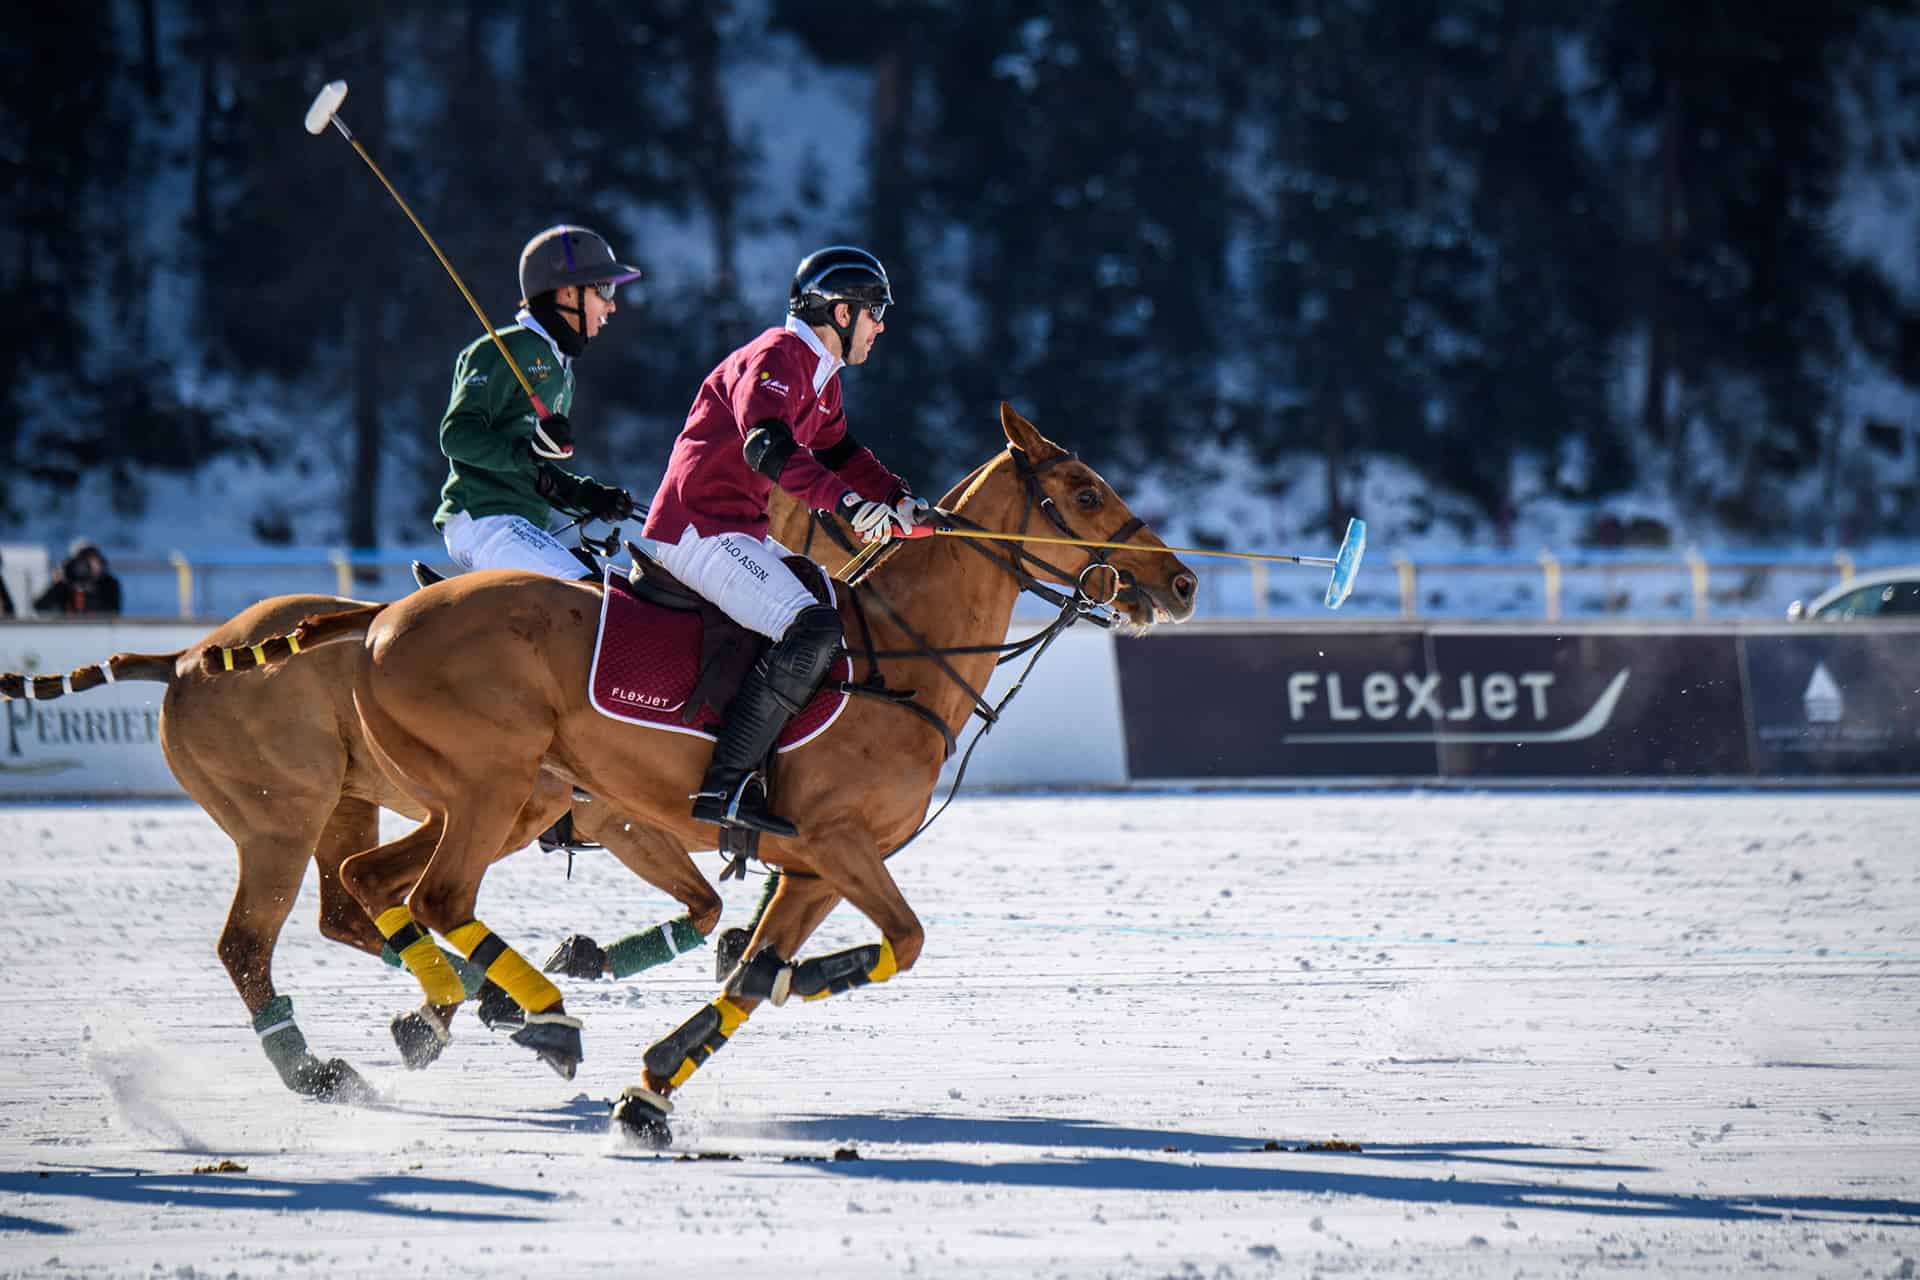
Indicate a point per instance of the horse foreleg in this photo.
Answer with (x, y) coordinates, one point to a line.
(662, 862)
(795, 910)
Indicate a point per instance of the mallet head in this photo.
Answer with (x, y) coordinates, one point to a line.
(1347, 563)
(325, 103)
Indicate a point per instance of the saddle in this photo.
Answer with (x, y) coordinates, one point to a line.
(667, 658)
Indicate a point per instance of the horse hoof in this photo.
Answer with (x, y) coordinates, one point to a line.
(335, 1081)
(555, 1037)
(329, 1081)
(578, 956)
(499, 1011)
(643, 1120)
(727, 952)
(420, 1036)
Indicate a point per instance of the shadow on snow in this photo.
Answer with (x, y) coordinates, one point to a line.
(1043, 1131)
(239, 1191)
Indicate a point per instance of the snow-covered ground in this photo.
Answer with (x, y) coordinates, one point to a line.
(1569, 1033)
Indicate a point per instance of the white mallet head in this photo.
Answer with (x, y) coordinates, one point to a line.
(328, 101)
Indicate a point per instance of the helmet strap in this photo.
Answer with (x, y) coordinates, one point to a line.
(553, 318)
(845, 332)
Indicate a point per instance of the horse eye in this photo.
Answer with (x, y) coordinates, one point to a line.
(1087, 499)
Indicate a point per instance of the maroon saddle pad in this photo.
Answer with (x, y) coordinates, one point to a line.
(646, 661)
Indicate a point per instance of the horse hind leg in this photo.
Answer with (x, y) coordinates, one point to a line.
(378, 879)
(445, 898)
(662, 862)
(270, 873)
(354, 825)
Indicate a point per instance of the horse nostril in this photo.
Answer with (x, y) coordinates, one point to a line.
(1184, 586)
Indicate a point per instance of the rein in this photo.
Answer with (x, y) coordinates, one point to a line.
(1073, 606)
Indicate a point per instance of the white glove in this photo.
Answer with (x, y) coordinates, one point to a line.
(878, 521)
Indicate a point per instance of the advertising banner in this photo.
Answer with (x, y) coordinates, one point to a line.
(1839, 703)
(102, 742)
(1599, 705)
(1266, 703)
(1414, 704)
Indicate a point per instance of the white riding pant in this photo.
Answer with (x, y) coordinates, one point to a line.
(508, 542)
(741, 574)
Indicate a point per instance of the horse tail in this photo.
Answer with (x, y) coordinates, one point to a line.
(324, 629)
(18, 685)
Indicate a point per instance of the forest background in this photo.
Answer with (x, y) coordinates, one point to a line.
(1596, 273)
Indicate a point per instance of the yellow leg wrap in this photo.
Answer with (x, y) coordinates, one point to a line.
(885, 967)
(505, 966)
(731, 1017)
(422, 958)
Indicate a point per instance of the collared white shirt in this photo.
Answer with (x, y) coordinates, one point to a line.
(829, 365)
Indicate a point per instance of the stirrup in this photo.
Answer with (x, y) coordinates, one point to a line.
(735, 811)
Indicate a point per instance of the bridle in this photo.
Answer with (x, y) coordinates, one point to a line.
(1074, 604)
(1015, 560)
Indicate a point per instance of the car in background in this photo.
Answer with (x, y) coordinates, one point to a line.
(1886, 593)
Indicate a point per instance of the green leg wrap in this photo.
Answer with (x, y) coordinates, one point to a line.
(766, 900)
(280, 1036)
(471, 976)
(330, 1081)
(641, 951)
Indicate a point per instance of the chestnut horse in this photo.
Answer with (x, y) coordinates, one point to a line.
(277, 758)
(473, 686)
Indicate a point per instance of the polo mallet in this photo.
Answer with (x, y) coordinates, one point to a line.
(326, 111)
(1345, 563)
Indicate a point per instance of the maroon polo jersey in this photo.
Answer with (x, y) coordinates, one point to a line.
(708, 483)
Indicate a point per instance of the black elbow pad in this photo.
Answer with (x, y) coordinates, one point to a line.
(833, 457)
(768, 447)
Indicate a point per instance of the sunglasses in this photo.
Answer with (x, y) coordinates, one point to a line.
(878, 310)
(605, 290)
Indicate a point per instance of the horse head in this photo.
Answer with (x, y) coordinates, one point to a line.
(1054, 494)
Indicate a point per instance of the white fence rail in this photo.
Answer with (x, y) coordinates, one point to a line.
(1548, 585)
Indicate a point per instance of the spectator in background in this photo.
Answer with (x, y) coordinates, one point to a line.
(83, 584)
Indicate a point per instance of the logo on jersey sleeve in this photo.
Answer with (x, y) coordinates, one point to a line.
(772, 383)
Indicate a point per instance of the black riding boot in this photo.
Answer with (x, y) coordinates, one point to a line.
(734, 793)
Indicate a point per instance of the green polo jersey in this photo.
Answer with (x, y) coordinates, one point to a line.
(487, 430)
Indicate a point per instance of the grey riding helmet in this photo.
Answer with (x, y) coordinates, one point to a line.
(566, 255)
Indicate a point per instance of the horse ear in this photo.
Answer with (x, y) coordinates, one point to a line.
(1020, 433)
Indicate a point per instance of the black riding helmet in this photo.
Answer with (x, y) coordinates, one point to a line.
(839, 273)
(565, 255)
